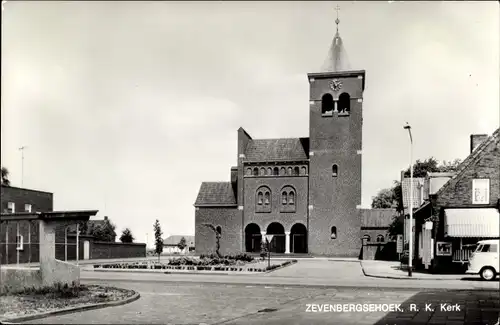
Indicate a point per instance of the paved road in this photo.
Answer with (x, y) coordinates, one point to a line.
(333, 278)
(191, 303)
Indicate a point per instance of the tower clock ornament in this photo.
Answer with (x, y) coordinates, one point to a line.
(335, 84)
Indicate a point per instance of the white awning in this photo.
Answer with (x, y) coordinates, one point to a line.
(482, 223)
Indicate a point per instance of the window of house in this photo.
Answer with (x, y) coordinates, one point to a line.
(284, 198)
(480, 191)
(260, 198)
(380, 239)
(276, 171)
(219, 230)
(255, 171)
(333, 232)
(269, 171)
(304, 171)
(367, 238)
(289, 170)
(27, 207)
(11, 207)
(283, 171)
(19, 242)
(249, 171)
(263, 171)
(291, 198)
(327, 105)
(296, 171)
(267, 198)
(335, 171)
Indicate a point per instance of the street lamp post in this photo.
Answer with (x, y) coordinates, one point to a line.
(410, 243)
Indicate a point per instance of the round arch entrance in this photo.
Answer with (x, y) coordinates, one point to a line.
(298, 239)
(278, 242)
(253, 238)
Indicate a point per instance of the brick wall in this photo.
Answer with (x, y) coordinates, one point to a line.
(103, 250)
(230, 221)
(275, 184)
(40, 201)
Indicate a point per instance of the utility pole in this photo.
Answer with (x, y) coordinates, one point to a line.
(22, 164)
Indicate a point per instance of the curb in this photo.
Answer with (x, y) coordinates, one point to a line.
(400, 277)
(70, 310)
(279, 267)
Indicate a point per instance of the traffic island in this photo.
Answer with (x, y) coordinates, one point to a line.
(195, 267)
(38, 303)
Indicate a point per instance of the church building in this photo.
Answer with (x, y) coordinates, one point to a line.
(306, 192)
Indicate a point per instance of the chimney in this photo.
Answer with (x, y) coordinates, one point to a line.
(476, 140)
(106, 218)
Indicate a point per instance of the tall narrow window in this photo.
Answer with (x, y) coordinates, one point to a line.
(255, 171)
(289, 170)
(333, 232)
(249, 171)
(269, 171)
(11, 207)
(19, 242)
(344, 104)
(262, 171)
(267, 198)
(291, 198)
(219, 230)
(335, 170)
(282, 171)
(284, 198)
(327, 104)
(296, 171)
(304, 171)
(260, 198)
(27, 208)
(276, 171)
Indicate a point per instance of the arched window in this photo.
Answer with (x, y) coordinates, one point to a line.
(263, 171)
(335, 170)
(380, 239)
(366, 238)
(263, 199)
(269, 171)
(282, 171)
(291, 198)
(267, 198)
(296, 171)
(289, 170)
(284, 198)
(344, 105)
(333, 232)
(255, 171)
(276, 171)
(303, 171)
(327, 104)
(249, 171)
(219, 230)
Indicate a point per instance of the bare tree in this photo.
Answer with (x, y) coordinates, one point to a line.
(217, 238)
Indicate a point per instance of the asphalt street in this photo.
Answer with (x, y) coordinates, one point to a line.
(214, 303)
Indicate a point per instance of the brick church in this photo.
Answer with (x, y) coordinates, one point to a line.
(304, 191)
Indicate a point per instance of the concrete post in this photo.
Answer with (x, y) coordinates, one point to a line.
(77, 242)
(17, 243)
(287, 242)
(47, 252)
(66, 244)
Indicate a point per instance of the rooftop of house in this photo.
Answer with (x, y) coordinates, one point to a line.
(262, 150)
(175, 239)
(216, 193)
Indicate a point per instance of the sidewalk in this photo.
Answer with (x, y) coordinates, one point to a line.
(391, 270)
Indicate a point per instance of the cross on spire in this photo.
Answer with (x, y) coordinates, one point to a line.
(337, 21)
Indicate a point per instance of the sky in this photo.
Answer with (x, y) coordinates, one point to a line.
(126, 107)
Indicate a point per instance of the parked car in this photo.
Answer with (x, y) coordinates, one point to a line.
(485, 260)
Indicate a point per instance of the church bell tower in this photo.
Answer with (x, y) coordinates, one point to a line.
(335, 133)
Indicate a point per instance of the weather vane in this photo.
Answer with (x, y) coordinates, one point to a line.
(337, 21)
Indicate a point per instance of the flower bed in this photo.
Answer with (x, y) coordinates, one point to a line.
(202, 264)
(35, 301)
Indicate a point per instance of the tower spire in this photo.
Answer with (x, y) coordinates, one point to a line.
(336, 59)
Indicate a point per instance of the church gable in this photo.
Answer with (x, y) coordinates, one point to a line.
(260, 150)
